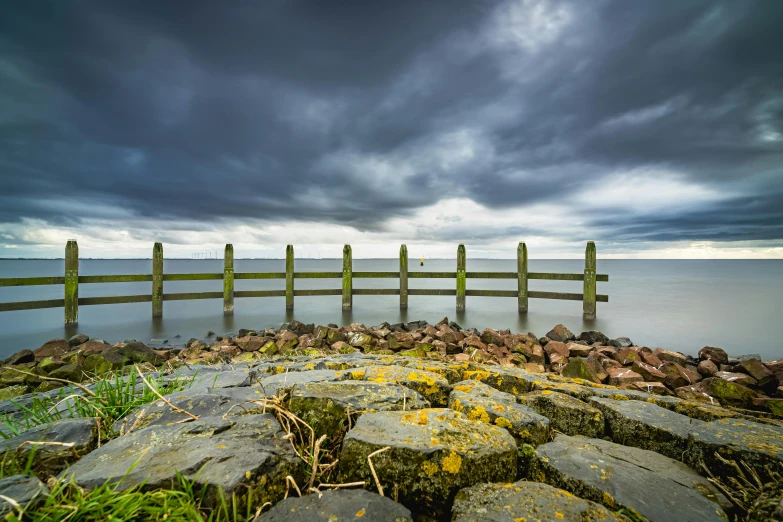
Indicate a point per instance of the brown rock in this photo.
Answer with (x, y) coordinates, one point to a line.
(53, 348)
(560, 333)
(677, 376)
(341, 345)
(646, 355)
(537, 354)
(557, 362)
(608, 351)
(656, 388)
(707, 368)
(579, 369)
(557, 347)
(472, 342)
(623, 376)
(594, 361)
(287, 335)
(230, 350)
(737, 378)
(756, 369)
(650, 373)
(490, 336)
(579, 350)
(670, 356)
(251, 343)
(625, 356)
(534, 367)
(165, 354)
(24, 356)
(400, 341)
(774, 366)
(716, 355)
(696, 394)
(93, 347)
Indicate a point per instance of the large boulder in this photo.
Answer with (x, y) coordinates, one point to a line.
(340, 504)
(433, 454)
(579, 369)
(325, 406)
(248, 454)
(641, 482)
(523, 501)
(565, 413)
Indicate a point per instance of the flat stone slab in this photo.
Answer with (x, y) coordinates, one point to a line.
(430, 385)
(325, 405)
(648, 426)
(285, 381)
(433, 453)
(203, 402)
(337, 505)
(623, 477)
(247, 453)
(565, 413)
(524, 501)
(25, 490)
(501, 409)
(56, 443)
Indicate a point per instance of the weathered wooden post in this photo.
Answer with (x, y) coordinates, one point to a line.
(522, 277)
(461, 278)
(289, 277)
(228, 280)
(157, 280)
(588, 298)
(403, 277)
(71, 282)
(347, 279)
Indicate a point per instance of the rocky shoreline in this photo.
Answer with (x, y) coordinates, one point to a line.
(413, 422)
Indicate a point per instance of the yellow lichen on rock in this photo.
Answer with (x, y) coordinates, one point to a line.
(430, 468)
(452, 463)
(479, 413)
(503, 423)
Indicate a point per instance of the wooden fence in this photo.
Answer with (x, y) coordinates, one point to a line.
(72, 280)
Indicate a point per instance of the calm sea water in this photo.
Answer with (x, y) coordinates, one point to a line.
(676, 304)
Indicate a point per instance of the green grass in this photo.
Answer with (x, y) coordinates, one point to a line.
(112, 399)
(105, 503)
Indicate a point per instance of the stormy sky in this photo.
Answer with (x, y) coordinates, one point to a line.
(654, 128)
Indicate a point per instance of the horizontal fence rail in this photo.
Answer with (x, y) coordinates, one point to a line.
(71, 281)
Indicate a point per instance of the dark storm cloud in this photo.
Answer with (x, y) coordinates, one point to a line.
(357, 112)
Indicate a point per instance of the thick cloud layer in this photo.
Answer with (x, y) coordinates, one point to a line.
(642, 125)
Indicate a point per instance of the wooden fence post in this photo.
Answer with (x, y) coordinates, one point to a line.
(461, 278)
(588, 299)
(289, 277)
(157, 280)
(403, 277)
(71, 282)
(347, 279)
(522, 277)
(228, 280)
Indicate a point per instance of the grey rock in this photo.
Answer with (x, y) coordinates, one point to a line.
(560, 333)
(21, 357)
(524, 501)
(622, 477)
(566, 414)
(211, 402)
(138, 352)
(620, 342)
(325, 405)
(433, 453)
(286, 381)
(330, 506)
(78, 339)
(25, 490)
(67, 439)
(245, 454)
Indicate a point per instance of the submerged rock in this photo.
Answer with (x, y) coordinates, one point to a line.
(337, 505)
(433, 453)
(524, 501)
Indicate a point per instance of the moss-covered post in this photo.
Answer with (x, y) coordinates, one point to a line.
(228, 280)
(522, 277)
(403, 277)
(289, 277)
(347, 279)
(588, 299)
(157, 280)
(461, 278)
(71, 282)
